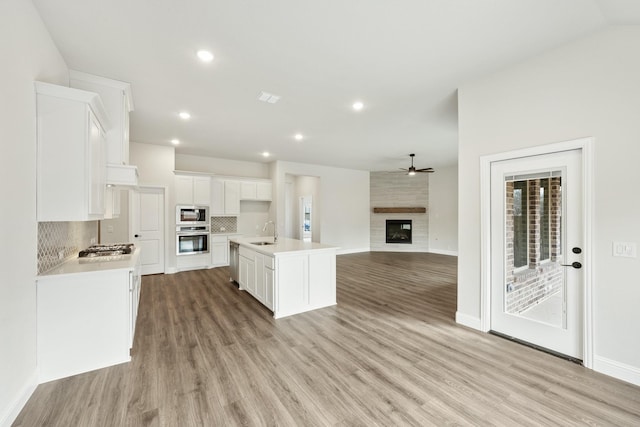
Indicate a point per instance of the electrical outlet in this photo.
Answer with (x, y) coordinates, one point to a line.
(93, 241)
(625, 249)
(60, 254)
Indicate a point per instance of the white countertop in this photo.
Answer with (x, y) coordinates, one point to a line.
(88, 265)
(282, 246)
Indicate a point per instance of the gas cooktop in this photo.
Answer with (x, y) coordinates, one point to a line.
(106, 250)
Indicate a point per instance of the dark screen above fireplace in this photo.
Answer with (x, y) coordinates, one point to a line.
(398, 231)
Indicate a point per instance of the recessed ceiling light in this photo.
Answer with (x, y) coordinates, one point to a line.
(358, 105)
(298, 136)
(175, 141)
(184, 115)
(205, 55)
(266, 154)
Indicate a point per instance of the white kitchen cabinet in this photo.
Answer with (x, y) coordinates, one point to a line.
(264, 191)
(225, 197)
(193, 262)
(71, 154)
(247, 190)
(257, 275)
(217, 197)
(86, 316)
(193, 190)
(219, 251)
(255, 190)
(231, 197)
(247, 273)
(118, 102)
(269, 279)
(260, 285)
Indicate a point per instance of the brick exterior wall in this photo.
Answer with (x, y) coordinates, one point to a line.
(542, 278)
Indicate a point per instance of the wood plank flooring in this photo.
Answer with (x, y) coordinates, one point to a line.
(390, 353)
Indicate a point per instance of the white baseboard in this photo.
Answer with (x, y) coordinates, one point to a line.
(621, 371)
(443, 252)
(468, 321)
(351, 251)
(170, 270)
(13, 409)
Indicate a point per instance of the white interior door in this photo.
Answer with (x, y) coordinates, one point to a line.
(537, 236)
(147, 227)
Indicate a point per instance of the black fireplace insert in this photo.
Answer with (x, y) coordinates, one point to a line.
(398, 231)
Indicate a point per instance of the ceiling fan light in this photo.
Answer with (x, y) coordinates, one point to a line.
(411, 173)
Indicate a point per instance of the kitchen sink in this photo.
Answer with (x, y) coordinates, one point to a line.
(262, 243)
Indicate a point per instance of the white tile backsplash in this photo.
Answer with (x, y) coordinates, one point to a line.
(58, 241)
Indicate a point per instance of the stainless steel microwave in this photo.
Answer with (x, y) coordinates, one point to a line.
(192, 215)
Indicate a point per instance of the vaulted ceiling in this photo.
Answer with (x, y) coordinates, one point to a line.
(403, 60)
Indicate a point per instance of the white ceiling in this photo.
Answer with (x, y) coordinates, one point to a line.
(404, 59)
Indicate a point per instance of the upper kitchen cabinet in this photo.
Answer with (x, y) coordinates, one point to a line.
(118, 103)
(71, 154)
(255, 190)
(193, 190)
(225, 197)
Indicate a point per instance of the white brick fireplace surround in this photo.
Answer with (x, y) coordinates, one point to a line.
(391, 190)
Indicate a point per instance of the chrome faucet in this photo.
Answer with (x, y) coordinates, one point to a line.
(275, 232)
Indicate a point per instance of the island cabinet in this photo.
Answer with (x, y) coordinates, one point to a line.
(290, 276)
(86, 315)
(71, 154)
(256, 275)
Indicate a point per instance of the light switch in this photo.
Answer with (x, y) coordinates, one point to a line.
(109, 228)
(625, 249)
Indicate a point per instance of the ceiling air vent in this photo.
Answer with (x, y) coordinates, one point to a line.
(267, 97)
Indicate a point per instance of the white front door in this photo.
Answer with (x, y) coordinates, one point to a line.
(147, 227)
(537, 236)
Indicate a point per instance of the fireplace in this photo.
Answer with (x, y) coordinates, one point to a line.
(398, 231)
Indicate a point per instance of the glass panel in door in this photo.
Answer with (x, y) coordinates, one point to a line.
(534, 278)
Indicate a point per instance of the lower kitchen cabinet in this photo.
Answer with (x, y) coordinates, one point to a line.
(220, 249)
(256, 275)
(86, 316)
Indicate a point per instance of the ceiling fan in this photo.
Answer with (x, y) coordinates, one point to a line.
(412, 170)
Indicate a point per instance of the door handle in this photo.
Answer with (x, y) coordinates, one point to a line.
(137, 235)
(575, 264)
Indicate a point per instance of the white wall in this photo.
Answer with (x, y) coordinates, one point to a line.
(28, 54)
(343, 200)
(443, 210)
(588, 88)
(187, 162)
(155, 168)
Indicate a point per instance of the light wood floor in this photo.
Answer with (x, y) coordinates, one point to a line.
(388, 354)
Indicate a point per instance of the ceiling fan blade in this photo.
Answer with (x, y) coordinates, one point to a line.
(425, 171)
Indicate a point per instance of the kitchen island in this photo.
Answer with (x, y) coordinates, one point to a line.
(288, 277)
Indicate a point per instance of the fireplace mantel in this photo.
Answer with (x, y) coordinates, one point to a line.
(400, 210)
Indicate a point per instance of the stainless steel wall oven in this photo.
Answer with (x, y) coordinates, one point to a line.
(192, 240)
